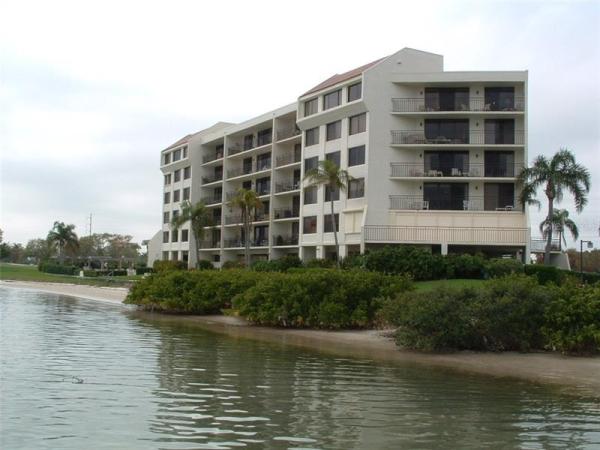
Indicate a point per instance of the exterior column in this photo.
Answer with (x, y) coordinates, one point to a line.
(444, 248)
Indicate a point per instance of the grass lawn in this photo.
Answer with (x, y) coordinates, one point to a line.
(430, 285)
(22, 272)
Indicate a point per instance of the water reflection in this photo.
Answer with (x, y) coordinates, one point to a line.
(170, 385)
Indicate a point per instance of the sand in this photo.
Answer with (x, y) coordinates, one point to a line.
(581, 374)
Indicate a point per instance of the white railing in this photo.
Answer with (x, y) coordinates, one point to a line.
(450, 235)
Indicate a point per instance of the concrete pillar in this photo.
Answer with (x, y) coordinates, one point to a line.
(343, 251)
(444, 248)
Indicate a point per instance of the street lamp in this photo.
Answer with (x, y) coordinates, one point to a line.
(589, 245)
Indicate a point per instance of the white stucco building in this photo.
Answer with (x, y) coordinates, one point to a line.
(434, 155)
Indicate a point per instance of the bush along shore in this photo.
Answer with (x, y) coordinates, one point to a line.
(519, 308)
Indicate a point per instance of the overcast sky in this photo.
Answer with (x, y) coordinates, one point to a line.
(90, 92)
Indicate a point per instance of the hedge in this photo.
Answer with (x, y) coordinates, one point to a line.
(510, 313)
(49, 267)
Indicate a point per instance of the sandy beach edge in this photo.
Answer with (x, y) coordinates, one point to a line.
(576, 374)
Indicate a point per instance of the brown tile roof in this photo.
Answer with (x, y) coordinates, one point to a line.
(340, 77)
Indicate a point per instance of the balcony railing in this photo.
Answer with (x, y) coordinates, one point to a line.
(214, 157)
(473, 104)
(280, 240)
(406, 170)
(210, 244)
(472, 203)
(211, 200)
(285, 213)
(237, 218)
(239, 243)
(247, 170)
(539, 245)
(450, 235)
(418, 137)
(212, 178)
(286, 133)
(287, 186)
(284, 160)
(234, 149)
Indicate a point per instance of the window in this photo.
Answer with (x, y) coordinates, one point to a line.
(264, 137)
(167, 198)
(185, 235)
(356, 156)
(449, 163)
(500, 131)
(498, 196)
(185, 257)
(310, 225)
(263, 186)
(175, 214)
(333, 157)
(499, 164)
(328, 223)
(166, 217)
(311, 163)
(185, 151)
(331, 194)
(358, 124)
(186, 193)
(334, 130)
(311, 107)
(447, 196)
(177, 155)
(446, 99)
(356, 188)
(263, 162)
(168, 179)
(177, 175)
(165, 256)
(312, 136)
(354, 92)
(174, 256)
(332, 99)
(187, 172)
(174, 236)
(176, 196)
(167, 158)
(248, 141)
(310, 195)
(499, 99)
(165, 237)
(454, 131)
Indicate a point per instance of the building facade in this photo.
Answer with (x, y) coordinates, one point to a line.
(434, 158)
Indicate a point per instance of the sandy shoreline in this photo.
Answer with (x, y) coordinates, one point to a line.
(579, 373)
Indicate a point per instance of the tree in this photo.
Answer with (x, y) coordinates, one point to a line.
(120, 246)
(328, 174)
(39, 249)
(247, 202)
(555, 175)
(64, 237)
(199, 217)
(560, 223)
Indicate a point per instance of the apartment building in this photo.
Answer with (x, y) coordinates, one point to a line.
(434, 158)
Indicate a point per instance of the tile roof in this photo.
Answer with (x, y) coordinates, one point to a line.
(340, 77)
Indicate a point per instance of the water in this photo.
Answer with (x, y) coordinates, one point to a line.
(77, 374)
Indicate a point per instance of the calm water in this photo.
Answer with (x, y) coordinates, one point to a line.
(77, 374)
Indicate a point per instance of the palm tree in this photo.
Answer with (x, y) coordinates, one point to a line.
(64, 237)
(328, 174)
(199, 217)
(555, 175)
(560, 222)
(247, 202)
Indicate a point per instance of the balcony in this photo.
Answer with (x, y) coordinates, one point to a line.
(471, 203)
(285, 213)
(462, 104)
(479, 137)
(212, 178)
(472, 170)
(211, 200)
(206, 244)
(239, 243)
(450, 235)
(287, 133)
(287, 186)
(281, 241)
(289, 158)
(209, 158)
(539, 245)
(236, 219)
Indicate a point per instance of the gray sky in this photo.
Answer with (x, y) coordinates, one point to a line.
(90, 92)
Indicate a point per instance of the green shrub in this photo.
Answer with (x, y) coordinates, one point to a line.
(320, 264)
(500, 267)
(354, 262)
(266, 266)
(168, 265)
(420, 264)
(192, 292)
(143, 270)
(59, 269)
(289, 262)
(233, 265)
(545, 274)
(203, 264)
(318, 298)
(465, 266)
(586, 277)
(572, 319)
(90, 273)
(509, 313)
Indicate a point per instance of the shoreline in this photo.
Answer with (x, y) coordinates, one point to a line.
(581, 374)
